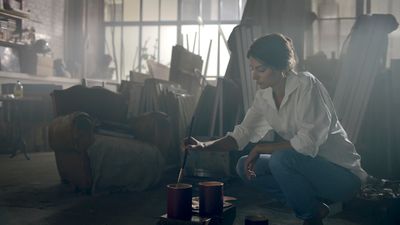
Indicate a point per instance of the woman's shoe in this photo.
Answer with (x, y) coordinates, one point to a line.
(322, 213)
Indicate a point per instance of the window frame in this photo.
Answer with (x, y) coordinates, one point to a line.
(178, 23)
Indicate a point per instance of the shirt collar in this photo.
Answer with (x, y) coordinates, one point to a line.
(292, 82)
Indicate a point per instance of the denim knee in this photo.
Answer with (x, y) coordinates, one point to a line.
(240, 167)
(282, 158)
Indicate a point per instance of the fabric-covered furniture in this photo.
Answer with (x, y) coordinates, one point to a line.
(96, 147)
(23, 121)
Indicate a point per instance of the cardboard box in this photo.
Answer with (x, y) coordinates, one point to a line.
(44, 65)
(34, 63)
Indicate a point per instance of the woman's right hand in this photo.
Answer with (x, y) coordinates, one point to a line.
(192, 144)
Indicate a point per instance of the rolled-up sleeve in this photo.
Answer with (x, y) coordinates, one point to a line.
(253, 127)
(314, 120)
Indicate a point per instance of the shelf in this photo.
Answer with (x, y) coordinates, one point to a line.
(35, 78)
(10, 44)
(16, 14)
(12, 77)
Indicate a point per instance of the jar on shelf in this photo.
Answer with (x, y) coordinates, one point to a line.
(18, 90)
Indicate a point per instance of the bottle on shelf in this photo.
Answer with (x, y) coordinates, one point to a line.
(18, 90)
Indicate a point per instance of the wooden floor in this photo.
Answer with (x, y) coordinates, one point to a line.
(31, 194)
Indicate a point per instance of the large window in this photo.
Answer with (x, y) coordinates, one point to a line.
(335, 19)
(392, 7)
(138, 30)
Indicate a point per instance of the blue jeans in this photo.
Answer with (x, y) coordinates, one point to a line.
(301, 181)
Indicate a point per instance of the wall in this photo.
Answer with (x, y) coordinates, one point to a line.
(48, 20)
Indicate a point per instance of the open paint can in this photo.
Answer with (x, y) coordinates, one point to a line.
(211, 198)
(179, 201)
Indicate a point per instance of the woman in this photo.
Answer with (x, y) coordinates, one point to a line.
(315, 160)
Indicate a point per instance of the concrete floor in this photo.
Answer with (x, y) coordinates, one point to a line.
(31, 194)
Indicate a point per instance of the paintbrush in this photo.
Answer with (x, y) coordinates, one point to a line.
(186, 152)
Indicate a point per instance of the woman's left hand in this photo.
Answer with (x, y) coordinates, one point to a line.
(250, 162)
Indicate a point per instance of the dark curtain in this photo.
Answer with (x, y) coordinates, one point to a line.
(260, 17)
(289, 17)
(84, 36)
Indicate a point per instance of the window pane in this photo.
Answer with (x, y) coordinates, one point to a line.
(242, 4)
(167, 40)
(190, 9)
(150, 10)
(129, 59)
(169, 9)
(230, 10)
(316, 45)
(149, 46)
(209, 9)
(328, 37)
(345, 28)
(395, 9)
(207, 33)
(113, 48)
(392, 7)
(380, 6)
(227, 29)
(394, 37)
(131, 46)
(327, 9)
(224, 51)
(189, 34)
(394, 44)
(347, 8)
(112, 10)
(131, 10)
(334, 8)
(195, 38)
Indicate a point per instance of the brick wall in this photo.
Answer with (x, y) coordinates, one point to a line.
(48, 20)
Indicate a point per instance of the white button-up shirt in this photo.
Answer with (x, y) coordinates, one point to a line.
(306, 118)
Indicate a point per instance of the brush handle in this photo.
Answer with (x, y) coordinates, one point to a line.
(186, 152)
(180, 176)
(191, 128)
(189, 136)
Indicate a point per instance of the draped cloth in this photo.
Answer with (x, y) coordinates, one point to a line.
(363, 57)
(119, 164)
(84, 36)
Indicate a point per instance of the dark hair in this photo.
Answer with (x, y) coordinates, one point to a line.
(275, 50)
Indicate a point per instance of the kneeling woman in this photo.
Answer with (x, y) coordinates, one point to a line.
(315, 160)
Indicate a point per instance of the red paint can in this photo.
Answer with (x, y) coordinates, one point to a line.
(179, 201)
(211, 198)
